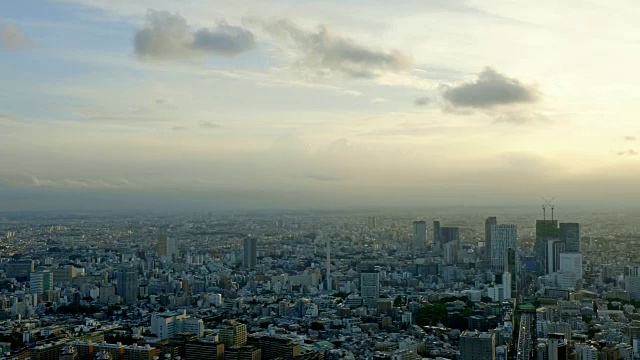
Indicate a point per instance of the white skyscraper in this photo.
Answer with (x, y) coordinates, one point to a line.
(419, 235)
(503, 237)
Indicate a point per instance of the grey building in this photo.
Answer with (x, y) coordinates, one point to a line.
(250, 253)
(487, 236)
(127, 286)
(477, 346)
(570, 236)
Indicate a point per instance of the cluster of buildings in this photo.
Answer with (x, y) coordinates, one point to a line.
(315, 286)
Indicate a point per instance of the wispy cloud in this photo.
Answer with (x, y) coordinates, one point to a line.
(11, 38)
(326, 53)
(629, 152)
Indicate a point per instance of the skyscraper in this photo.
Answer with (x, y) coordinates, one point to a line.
(250, 253)
(545, 230)
(477, 346)
(370, 288)
(437, 235)
(419, 235)
(41, 281)
(487, 236)
(570, 236)
(166, 246)
(127, 286)
(329, 282)
(371, 222)
(503, 238)
(554, 248)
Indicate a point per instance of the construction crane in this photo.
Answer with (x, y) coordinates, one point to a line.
(548, 203)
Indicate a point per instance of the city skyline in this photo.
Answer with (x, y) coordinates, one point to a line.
(152, 104)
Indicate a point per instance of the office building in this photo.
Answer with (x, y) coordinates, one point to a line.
(166, 246)
(274, 347)
(570, 236)
(554, 248)
(477, 346)
(233, 333)
(136, 352)
(437, 235)
(127, 285)
(201, 349)
(64, 274)
(370, 288)
(250, 253)
(371, 222)
(242, 353)
(419, 235)
(19, 269)
(41, 281)
(632, 282)
(449, 234)
(68, 352)
(450, 252)
(503, 237)
(545, 230)
(167, 324)
(490, 221)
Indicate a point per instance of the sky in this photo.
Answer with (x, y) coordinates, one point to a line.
(162, 104)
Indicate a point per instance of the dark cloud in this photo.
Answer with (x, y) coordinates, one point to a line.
(629, 152)
(422, 101)
(488, 90)
(327, 53)
(630, 138)
(168, 36)
(209, 125)
(522, 118)
(12, 38)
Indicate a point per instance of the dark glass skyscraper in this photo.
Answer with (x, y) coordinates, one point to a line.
(570, 236)
(487, 236)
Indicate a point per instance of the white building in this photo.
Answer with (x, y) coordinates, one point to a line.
(503, 237)
(571, 262)
(167, 324)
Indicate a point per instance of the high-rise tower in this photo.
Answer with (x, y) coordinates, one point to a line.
(329, 283)
(503, 238)
(487, 236)
(419, 235)
(250, 253)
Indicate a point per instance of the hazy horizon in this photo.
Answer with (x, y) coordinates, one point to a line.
(121, 105)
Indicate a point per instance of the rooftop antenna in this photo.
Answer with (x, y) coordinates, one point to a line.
(550, 204)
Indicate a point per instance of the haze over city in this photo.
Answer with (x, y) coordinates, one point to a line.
(254, 104)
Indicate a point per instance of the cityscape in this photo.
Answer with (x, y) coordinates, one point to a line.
(319, 285)
(319, 180)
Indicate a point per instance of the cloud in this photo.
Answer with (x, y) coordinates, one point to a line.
(521, 118)
(629, 152)
(209, 125)
(378, 100)
(322, 177)
(167, 36)
(630, 138)
(179, 128)
(27, 180)
(488, 90)
(12, 38)
(326, 53)
(422, 101)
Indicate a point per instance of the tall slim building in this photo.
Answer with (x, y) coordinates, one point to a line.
(127, 285)
(329, 280)
(554, 248)
(166, 246)
(477, 346)
(371, 222)
(437, 235)
(570, 235)
(370, 288)
(632, 281)
(419, 235)
(503, 238)
(250, 253)
(487, 236)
